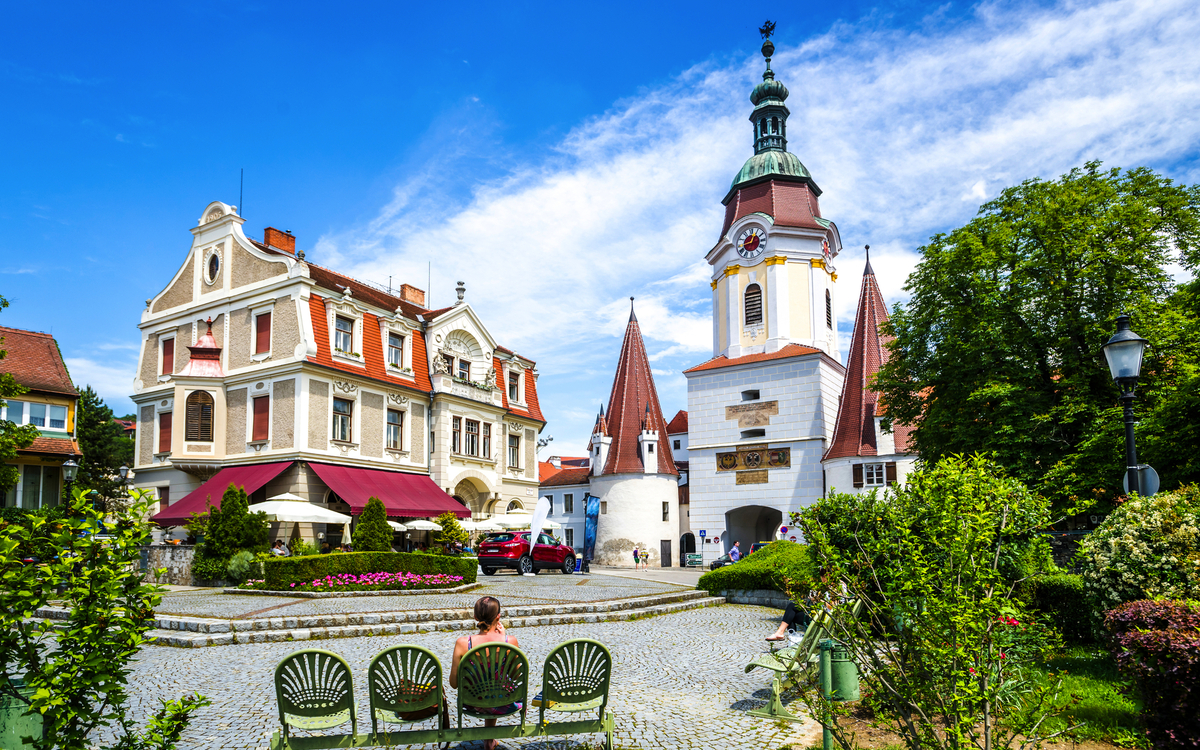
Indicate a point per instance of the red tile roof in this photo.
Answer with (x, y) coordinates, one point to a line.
(678, 423)
(546, 470)
(567, 477)
(854, 433)
(531, 397)
(634, 402)
(789, 204)
(47, 446)
(791, 350)
(372, 352)
(35, 362)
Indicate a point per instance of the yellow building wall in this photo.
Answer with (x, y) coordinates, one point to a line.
(800, 300)
(722, 315)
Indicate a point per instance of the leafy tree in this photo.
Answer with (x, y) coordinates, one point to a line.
(998, 349)
(941, 642)
(105, 448)
(452, 531)
(12, 437)
(233, 528)
(79, 668)
(373, 533)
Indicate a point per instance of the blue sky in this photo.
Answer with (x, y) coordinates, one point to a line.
(558, 158)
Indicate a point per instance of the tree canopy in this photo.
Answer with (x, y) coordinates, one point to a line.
(998, 349)
(104, 445)
(373, 533)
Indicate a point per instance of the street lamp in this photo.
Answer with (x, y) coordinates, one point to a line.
(1124, 354)
(70, 469)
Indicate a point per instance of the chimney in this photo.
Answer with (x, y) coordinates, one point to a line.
(556, 461)
(411, 294)
(280, 240)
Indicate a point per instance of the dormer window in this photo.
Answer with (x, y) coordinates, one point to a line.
(514, 386)
(395, 352)
(343, 335)
(464, 369)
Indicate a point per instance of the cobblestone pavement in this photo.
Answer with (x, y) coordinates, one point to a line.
(678, 682)
(511, 590)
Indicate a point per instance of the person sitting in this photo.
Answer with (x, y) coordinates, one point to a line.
(279, 550)
(325, 548)
(795, 619)
(491, 630)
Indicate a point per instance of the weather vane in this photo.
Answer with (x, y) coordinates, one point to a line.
(767, 29)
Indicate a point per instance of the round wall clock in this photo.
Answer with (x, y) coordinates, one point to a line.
(751, 242)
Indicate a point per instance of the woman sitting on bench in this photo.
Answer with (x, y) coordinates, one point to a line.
(487, 618)
(794, 618)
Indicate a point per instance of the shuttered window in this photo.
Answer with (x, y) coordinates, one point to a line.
(858, 478)
(168, 356)
(199, 418)
(828, 310)
(262, 418)
(891, 472)
(262, 333)
(754, 305)
(164, 432)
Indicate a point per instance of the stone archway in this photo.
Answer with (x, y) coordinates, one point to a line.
(469, 495)
(749, 524)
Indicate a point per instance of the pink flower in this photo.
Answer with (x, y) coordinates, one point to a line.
(971, 670)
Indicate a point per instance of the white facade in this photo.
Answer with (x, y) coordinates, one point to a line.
(632, 514)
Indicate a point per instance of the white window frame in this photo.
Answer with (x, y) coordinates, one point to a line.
(486, 436)
(265, 308)
(399, 327)
(173, 336)
(509, 447)
(466, 437)
(568, 503)
(270, 397)
(19, 488)
(335, 345)
(350, 311)
(387, 354)
(20, 420)
(333, 414)
(878, 469)
(569, 537)
(387, 426)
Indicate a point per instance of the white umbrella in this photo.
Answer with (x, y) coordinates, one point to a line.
(511, 521)
(297, 512)
(346, 535)
(397, 526)
(548, 524)
(420, 525)
(468, 525)
(288, 496)
(488, 525)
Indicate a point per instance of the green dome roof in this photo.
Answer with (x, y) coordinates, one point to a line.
(768, 89)
(770, 163)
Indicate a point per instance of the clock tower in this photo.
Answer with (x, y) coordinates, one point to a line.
(773, 274)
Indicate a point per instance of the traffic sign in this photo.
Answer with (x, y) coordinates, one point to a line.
(1147, 480)
(702, 533)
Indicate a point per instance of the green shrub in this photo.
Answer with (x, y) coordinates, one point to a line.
(778, 565)
(451, 532)
(1149, 548)
(373, 533)
(208, 568)
(241, 566)
(1061, 596)
(232, 527)
(281, 573)
(301, 548)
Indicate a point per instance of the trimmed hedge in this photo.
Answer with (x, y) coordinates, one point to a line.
(1157, 643)
(765, 569)
(1062, 597)
(281, 573)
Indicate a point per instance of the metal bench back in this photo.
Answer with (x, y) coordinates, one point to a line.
(577, 672)
(492, 675)
(403, 679)
(314, 690)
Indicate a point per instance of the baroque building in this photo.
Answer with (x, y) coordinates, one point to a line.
(763, 413)
(265, 370)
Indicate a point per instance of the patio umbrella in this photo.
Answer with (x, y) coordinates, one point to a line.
(512, 521)
(298, 512)
(288, 496)
(397, 526)
(422, 525)
(346, 534)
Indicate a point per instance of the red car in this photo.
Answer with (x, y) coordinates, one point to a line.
(511, 550)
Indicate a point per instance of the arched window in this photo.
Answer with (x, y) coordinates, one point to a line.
(199, 427)
(828, 310)
(753, 305)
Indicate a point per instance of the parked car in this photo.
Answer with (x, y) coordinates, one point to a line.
(511, 550)
(720, 562)
(756, 547)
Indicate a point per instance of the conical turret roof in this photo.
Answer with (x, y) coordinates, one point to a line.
(854, 433)
(634, 402)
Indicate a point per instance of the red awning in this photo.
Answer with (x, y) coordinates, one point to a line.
(249, 478)
(404, 495)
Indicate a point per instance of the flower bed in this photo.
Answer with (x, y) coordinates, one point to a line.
(282, 572)
(380, 582)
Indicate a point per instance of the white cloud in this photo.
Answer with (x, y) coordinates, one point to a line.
(905, 131)
(112, 379)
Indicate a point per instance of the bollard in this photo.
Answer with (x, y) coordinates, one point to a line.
(16, 720)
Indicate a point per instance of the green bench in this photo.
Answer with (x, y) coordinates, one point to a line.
(315, 690)
(792, 663)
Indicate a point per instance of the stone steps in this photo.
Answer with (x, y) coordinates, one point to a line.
(600, 613)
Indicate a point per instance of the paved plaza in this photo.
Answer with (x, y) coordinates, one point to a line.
(512, 590)
(678, 682)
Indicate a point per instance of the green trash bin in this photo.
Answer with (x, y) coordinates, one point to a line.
(844, 674)
(16, 720)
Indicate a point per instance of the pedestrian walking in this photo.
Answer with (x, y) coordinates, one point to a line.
(635, 558)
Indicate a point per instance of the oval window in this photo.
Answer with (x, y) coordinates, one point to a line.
(214, 265)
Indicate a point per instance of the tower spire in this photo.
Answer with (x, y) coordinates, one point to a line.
(632, 316)
(868, 269)
(633, 406)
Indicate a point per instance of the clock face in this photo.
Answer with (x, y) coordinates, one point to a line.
(751, 243)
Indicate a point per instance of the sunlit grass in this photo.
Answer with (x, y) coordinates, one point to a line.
(1090, 676)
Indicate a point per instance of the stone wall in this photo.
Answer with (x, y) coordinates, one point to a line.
(239, 339)
(371, 431)
(318, 412)
(283, 415)
(176, 558)
(759, 597)
(235, 422)
(180, 292)
(145, 433)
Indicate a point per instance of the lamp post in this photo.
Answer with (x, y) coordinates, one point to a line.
(70, 469)
(1124, 354)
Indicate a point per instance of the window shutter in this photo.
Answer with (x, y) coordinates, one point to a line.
(168, 357)
(164, 432)
(753, 305)
(262, 415)
(858, 475)
(262, 333)
(164, 497)
(198, 419)
(890, 468)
